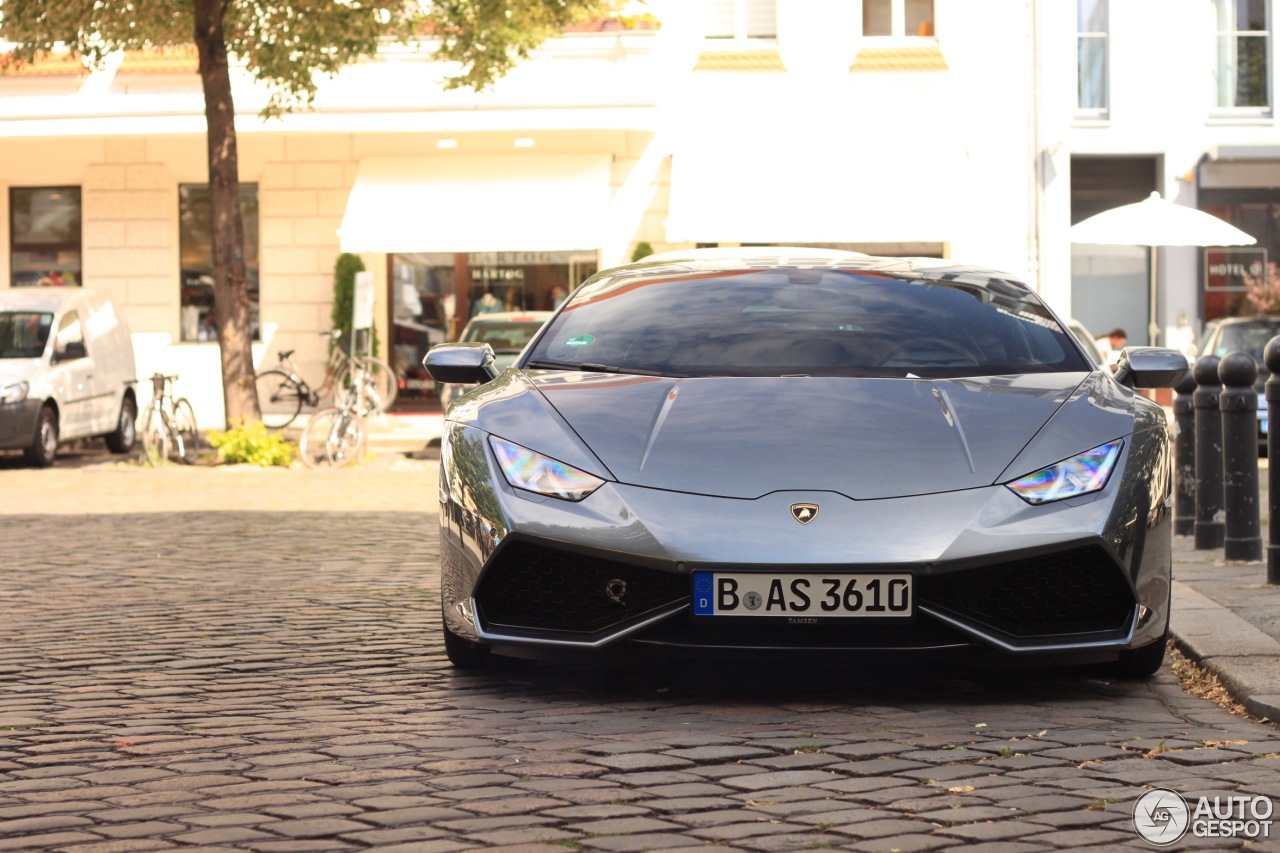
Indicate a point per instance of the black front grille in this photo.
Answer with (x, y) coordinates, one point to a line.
(537, 587)
(1073, 592)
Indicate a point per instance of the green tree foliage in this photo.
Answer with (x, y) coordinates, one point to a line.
(290, 45)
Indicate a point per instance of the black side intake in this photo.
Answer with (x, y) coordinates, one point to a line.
(542, 588)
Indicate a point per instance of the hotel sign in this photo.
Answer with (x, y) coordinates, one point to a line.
(1227, 269)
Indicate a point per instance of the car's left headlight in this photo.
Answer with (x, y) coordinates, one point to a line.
(15, 393)
(1070, 478)
(533, 472)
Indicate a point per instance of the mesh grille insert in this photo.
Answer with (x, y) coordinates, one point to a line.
(1077, 591)
(533, 586)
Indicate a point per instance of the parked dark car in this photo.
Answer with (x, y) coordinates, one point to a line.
(1245, 334)
(780, 453)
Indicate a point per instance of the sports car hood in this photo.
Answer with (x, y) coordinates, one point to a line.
(864, 438)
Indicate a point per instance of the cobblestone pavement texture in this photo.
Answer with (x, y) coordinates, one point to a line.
(251, 660)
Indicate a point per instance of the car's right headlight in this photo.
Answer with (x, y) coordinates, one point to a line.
(14, 393)
(533, 472)
(1070, 478)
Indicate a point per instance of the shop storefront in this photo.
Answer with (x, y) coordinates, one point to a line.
(1245, 193)
(425, 300)
(473, 234)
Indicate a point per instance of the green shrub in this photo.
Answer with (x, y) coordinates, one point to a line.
(252, 444)
(344, 299)
(643, 250)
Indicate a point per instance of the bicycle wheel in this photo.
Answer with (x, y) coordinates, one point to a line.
(279, 397)
(346, 439)
(184, 423)
(156, 443)
(380, 384)
(332, 438)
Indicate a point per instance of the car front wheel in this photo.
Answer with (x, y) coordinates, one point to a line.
(1142, 662)
(122, 439)
(44, 444)
(465, 654)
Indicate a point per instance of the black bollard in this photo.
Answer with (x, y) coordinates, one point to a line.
(1238, 403)
(1208, 527)
(1184, 461)
(1271, 358)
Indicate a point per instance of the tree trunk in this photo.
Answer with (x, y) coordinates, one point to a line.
(230, 288)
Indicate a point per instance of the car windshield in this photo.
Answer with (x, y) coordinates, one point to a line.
(805, 322)
(508, 335)
(1250, 337)
(23, 334)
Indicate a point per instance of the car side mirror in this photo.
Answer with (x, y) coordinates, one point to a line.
(461, 363)
(1151, 367)
(72, 351)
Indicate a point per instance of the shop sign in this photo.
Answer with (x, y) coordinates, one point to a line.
(362, 309)
(497, 274)
(518, 259)
(1230, 269)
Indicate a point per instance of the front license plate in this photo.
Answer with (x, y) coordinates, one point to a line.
(802, 595)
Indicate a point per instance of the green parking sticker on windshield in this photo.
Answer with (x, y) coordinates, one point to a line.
(579, 341)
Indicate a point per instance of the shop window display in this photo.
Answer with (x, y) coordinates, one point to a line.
(44, 236)
(424, 295)
(195, 217)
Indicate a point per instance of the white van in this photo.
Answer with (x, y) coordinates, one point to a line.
(66, 371)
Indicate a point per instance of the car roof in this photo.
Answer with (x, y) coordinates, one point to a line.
(724, 259)
(41, 298)
(1238, 321)
(509, 316)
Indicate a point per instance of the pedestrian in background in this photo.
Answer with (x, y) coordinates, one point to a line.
(1110, 344)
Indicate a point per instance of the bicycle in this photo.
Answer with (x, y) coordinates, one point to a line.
(334, 437)
(282, 392)
(169, 425)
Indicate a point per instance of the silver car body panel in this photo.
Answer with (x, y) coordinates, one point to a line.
(909, 473)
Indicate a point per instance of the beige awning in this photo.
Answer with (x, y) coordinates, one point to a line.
(466, 203)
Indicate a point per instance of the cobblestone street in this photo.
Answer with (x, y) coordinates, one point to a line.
(216, 662)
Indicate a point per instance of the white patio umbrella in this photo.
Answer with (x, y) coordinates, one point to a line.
(1156, 222)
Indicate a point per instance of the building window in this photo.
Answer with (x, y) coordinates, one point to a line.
(897, 18)
(1244, 45)
(741, 19)
(44, 236)
(1091, 57)
(195, 245)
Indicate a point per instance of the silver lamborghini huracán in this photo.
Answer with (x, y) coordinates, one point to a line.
(797, 451)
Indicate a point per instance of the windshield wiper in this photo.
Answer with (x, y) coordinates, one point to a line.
(609, 368)
(551, 365)
(592, 367)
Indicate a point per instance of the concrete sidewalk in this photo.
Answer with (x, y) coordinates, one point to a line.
(1226, 617)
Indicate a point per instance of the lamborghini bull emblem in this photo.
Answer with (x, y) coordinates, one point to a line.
(804, 513)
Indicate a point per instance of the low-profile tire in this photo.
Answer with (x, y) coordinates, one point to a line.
(125, 435)
(465, 654)
(44, 443)
(1144, 661)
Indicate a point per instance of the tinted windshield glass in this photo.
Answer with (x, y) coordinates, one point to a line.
(503, 336)
(817, 323)
(23, 334)
(1244, 337)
